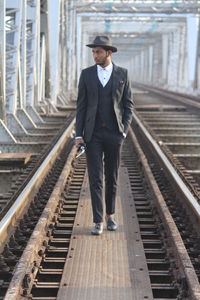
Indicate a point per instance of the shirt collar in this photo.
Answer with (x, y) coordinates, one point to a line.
(107, 68)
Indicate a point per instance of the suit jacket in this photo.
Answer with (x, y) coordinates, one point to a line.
(87, 101)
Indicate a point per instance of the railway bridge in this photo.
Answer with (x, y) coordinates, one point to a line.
(46, 249)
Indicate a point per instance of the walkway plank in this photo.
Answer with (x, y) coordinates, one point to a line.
(110, 266)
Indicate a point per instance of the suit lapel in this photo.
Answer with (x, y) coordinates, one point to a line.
(94, 82)
(116, 77)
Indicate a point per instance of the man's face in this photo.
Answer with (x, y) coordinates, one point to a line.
(101, 56)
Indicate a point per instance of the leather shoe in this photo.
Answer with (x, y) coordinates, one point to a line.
(111, 224)
(97, 229)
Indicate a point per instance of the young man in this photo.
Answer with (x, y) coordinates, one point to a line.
(104, 113)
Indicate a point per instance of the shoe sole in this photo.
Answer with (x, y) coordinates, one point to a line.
(96, 233)
(111, 229)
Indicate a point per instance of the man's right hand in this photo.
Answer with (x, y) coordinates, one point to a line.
(79, 141)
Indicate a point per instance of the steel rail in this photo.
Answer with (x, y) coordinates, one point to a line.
(184, 189)
(38, 236)
(25, 265)
(184, 262)
(19, 206)
(187, 100)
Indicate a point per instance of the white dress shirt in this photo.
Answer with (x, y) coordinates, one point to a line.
(104, 73)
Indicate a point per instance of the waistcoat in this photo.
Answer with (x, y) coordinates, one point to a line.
(105, 116)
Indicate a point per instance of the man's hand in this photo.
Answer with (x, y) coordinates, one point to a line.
(79, 141)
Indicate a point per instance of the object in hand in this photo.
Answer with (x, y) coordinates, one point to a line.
(81, 150)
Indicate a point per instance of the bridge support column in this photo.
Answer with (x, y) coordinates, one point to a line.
(192, 38)
(150, 64)
(165, 46)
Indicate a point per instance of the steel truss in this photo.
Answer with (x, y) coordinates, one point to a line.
(161, 41)
(27, 66)
(42, 50)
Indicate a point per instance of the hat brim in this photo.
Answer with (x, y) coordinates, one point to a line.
(113, 49)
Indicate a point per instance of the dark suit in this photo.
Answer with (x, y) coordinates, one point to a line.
(103, 140)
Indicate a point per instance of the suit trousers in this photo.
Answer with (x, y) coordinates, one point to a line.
(103, 152)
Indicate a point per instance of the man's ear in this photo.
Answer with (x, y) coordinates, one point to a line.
(108, 53)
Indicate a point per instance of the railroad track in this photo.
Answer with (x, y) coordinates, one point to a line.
(169, 134)
(175, 128)
(40, 240)
(24, 173)
(38, 274)
(21, 217)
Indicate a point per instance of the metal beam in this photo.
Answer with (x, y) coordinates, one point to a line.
(44, 31)
(169, 7)
(2, 95)
(54, 22)
(131, 15)
(2, 61)
(192, 38)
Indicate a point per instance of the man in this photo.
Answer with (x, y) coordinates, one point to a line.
(104, 113)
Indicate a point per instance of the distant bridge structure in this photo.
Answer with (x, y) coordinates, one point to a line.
(42, 51)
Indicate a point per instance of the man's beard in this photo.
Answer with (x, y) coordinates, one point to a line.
(103, 62)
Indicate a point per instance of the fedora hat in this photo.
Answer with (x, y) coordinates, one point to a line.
(104, 42)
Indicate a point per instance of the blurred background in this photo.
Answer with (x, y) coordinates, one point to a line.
(42, 44)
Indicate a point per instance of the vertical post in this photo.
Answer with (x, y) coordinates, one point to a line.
(138, 68)
(150, 63)
(42, 69)
(78, 46)
(2, 61)
(44, 30)
(171, 75)
(133, 68)
(20, 89)
(192, 37)
(38, 41)
(31, 79)
(84, 51)
(145, 65)
(14, 60)
(182, 59)
(2, 95)
(142, 66)
(74, 65)
(61, 47)
(23, 61)
(54, 18)
(69, 44)
(164, 57)
(198, 60)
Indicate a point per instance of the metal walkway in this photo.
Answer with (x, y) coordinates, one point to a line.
(111, 266)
